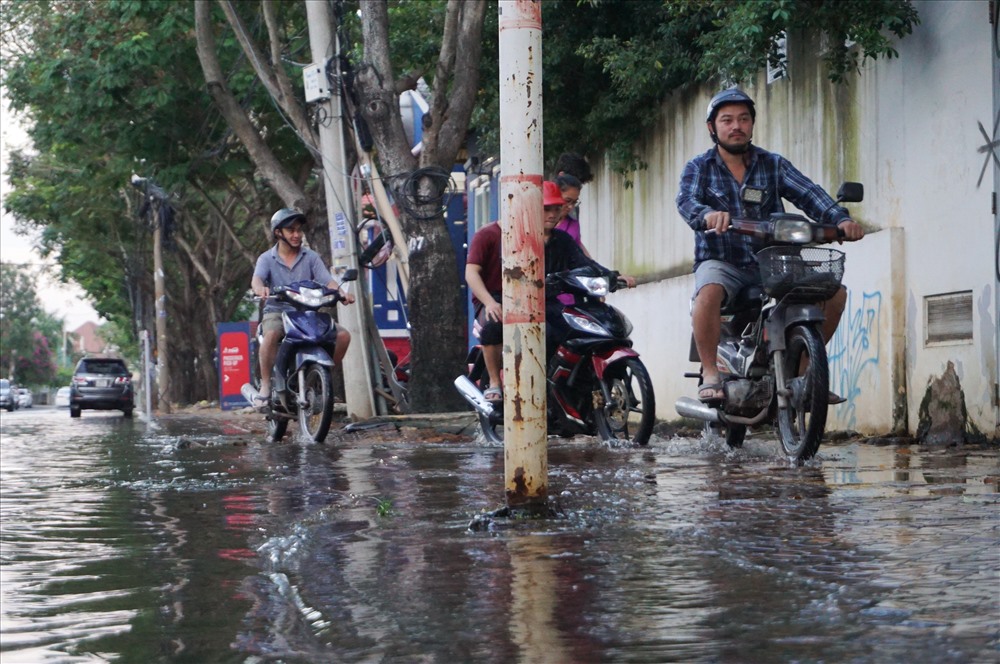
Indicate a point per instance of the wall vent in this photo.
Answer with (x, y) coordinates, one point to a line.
(948, 317)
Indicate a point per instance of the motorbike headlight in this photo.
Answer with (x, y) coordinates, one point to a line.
(794, 231)
(595, 286)
(584, 324)
(311, 297)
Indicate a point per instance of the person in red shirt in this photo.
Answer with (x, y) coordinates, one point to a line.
(483, 274)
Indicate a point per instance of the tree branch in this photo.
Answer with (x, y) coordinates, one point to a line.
(284, 186)
(272, 74)
(221, 216)
(182, 243)
(458, 101)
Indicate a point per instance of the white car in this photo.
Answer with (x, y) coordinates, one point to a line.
(62, 397)
(24, 398)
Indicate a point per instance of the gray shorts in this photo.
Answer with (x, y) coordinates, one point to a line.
(727, 275)
(271, 322)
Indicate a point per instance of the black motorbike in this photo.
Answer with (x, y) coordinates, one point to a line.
(301, 382)
(772, 356)
(597, 385)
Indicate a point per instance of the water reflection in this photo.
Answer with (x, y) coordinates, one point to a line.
(915, 471)
(191, 543)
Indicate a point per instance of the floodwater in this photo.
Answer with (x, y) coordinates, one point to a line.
(194, 541)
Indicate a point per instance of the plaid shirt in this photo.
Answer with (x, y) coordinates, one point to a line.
(707, 185)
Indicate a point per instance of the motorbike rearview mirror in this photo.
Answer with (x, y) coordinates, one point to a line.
(851, 192)
(350, 275)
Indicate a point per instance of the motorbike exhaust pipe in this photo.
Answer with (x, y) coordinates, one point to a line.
(471, 393)
(688, 407)
(248, 392)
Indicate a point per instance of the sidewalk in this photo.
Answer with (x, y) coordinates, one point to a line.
(417, 427)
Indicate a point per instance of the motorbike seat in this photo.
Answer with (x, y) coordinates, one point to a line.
(748, 298)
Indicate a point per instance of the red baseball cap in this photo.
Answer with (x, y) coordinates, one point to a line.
(551, 194)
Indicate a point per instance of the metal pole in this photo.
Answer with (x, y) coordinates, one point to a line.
(357, 368)
(525, 455)
(147, 370)
(162, 345)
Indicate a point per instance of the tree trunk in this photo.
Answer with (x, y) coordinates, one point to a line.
(435, 302)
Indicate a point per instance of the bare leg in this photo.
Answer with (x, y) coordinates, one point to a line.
(833, 309)
(343, 341)
(268, 351)
(493, 357)
(707, 329)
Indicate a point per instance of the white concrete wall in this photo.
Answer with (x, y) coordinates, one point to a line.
(907, 128)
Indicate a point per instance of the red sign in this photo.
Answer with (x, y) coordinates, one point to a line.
(234, 362)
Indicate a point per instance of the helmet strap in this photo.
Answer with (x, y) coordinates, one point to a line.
(281, 238)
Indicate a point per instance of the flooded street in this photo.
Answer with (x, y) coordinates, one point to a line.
(194, 541)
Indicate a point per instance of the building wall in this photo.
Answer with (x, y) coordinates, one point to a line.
(907, 128)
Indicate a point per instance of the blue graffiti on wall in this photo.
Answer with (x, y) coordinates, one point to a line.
(855, 349)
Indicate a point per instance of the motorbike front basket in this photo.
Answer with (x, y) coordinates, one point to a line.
(813, 273)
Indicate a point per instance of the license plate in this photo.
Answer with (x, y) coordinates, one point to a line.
(103, 382)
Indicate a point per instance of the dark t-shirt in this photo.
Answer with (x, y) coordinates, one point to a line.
(563, 253)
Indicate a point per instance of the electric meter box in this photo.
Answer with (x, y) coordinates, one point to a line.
(316, 86)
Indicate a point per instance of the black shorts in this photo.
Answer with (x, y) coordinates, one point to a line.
(490, 331)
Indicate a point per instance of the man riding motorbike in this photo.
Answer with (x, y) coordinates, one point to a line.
(288, 261)
(710, 195)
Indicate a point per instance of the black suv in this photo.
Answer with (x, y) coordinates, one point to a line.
(8, 395)
(101, 383)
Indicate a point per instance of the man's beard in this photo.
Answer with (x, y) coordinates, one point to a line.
(735, 148)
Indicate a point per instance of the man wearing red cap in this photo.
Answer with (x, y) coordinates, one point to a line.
(483, 274)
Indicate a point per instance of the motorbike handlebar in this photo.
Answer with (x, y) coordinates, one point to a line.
(276, 293)
(764, 230)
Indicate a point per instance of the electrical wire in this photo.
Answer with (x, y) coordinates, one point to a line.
(412, 201)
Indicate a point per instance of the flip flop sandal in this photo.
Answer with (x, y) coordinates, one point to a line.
(716, 392)
(493, 394)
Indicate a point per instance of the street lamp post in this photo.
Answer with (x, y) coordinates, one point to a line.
(156, 198)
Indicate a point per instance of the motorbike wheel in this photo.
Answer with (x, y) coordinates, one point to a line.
(492, 426)
(631, 412)
(734, 434)
(316, 414)
(492, 431)
(276, 428)
(801, 425)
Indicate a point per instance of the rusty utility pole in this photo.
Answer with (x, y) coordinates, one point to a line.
(525, 453)
(160, 293)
